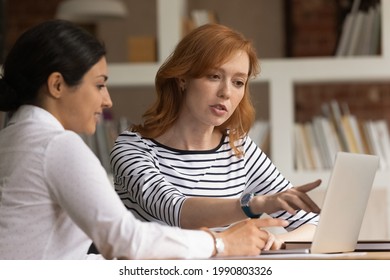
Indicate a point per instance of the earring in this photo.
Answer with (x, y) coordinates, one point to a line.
(182, 85)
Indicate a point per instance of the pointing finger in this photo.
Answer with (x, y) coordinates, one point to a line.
(309, 186)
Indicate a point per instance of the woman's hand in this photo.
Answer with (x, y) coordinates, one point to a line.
(247, 238)
(290, 200)
(273, 243)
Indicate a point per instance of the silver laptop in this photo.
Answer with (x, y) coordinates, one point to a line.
(343, 207)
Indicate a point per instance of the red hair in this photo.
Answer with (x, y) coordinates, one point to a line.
(203, 49)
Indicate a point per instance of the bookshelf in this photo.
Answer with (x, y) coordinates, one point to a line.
(280, 75)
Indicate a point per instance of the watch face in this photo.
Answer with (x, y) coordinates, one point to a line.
(219, 245)
(246, 198)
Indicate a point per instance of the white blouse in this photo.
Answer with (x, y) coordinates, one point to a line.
(55, 199)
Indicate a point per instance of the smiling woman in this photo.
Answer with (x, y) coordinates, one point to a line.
(71, 111)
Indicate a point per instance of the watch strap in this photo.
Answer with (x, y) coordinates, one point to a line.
(249, 213)
(245, 207)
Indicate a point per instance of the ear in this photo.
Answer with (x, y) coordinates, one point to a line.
(55, 85)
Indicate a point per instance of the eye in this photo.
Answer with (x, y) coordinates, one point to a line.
(101, 86)
(214, 76)
(239, 83)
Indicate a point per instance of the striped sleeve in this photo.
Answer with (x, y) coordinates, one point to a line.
(140, 184)
(264, 178)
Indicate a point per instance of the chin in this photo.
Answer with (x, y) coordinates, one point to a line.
(87, 130)
(91, 131)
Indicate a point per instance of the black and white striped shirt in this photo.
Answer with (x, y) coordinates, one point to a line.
(154, 180)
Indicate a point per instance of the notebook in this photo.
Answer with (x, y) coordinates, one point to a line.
(343, 207)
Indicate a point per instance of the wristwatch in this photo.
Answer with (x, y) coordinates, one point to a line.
(219, 245)
(245, 199)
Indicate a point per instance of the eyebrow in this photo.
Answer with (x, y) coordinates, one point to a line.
(241, 74)
(105, 77)
(244, 75)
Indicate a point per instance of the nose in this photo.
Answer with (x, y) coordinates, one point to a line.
(106, 102)
(225, 90)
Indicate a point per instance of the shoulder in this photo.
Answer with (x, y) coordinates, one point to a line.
(68, 144)
(68, 138)
(130, 137)
(131, 141)
(67, 155)
(245, 143)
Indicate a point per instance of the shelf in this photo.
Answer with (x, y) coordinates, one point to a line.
(322, 69)
(279, 73)
(135, 74)
(289, 70)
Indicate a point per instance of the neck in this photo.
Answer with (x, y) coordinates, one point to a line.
(189, 138)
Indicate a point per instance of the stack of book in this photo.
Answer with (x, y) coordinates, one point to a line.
(360, 34)
(317, 142)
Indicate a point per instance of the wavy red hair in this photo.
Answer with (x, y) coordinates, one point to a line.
(203, 49)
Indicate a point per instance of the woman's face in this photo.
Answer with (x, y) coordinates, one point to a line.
(82, 106)
(212, 99)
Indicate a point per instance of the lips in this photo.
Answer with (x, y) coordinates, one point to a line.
(219, 107)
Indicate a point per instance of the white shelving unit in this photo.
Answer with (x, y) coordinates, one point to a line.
(281, 75)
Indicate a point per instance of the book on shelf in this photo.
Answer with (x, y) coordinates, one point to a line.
(356, 33)
(312, 141)
(352, 131)
(360, 33)
(382, 132)
(324, 146)
(375, 33)
(301, 160)
(347, 27)
(305, 161)
(363, 46)
(318, 141)
(330, 139)
(308, 153)
(378, 140)
(336, 120)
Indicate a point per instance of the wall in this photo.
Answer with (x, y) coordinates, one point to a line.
(372, 99)
(22, 14)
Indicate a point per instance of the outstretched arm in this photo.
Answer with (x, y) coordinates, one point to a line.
(216, 212)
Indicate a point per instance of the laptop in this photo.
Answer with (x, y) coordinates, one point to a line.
(343, 207)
